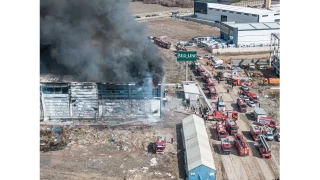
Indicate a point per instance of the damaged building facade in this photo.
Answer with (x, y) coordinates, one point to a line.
(88, 100)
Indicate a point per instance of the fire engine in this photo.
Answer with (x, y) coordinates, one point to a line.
(264, 149)
(210, 83)
(252, 96)
(225, 146)
(233, 115)
(216, 116)
(221, 130)
(200, 70)
(231, 126)
(205, 76)
(267, 121)
(239, 81)
(255, 132)
(161, 43)
(213, 92)
(241, 145)
(242, 105)
(160, 144)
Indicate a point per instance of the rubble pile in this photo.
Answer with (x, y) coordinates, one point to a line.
(112, 141)
(55, 138)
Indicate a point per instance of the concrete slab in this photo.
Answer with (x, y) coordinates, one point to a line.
(226, 97)
(220, 88)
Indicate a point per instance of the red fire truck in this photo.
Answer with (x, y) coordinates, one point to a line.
(161, 43)
(253, 97)
(231, 126)
(213, 92)
(225, 146)
(267, 121)
(255, 132)
(242, 105)
(241, 145)
(160, 144)
(264, 149)
(221, 130)
(210, 83)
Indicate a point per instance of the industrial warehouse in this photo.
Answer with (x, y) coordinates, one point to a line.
(241, 34)
(225, 13)
(85, 100)
(146, 99)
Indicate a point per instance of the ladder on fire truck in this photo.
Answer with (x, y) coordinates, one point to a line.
(264, 143)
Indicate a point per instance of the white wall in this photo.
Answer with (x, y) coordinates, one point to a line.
(214, 15)
(270, 18)
(256, 36)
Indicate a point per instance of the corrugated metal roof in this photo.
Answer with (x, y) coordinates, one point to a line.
(254, 26)
(240, 9)
(191, 88)
(259, 111)
(196, 142)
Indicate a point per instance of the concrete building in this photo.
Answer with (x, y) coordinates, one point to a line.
(191, 95)
(199, 163)
(275, 53)
(224, 13)
(243, 34)
(89, 100)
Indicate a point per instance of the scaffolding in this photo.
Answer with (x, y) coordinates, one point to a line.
(275, 52)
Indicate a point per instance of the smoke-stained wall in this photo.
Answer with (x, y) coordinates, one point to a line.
(96, 40)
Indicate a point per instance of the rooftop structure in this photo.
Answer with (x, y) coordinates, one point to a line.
(224, 13)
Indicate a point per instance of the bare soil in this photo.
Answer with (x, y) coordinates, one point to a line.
(140, 7)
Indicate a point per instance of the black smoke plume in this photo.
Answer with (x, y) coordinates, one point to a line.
(96, 40)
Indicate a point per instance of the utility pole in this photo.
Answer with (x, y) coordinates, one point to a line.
(186, 71)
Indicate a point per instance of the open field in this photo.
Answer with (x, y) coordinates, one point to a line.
(141, 8)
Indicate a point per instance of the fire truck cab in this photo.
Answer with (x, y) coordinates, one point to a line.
(221, 130)
(253, 97)
(225, 146)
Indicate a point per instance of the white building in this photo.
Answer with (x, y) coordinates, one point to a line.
(244, 34)
(223, 13)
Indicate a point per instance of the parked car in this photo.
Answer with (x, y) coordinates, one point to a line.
(244, 87)
(199, 57)
(251, 104)
(148, 16)
(268, 136)
(236, 68)
(207, 56)
(278, 137)
(138, 17)
(246, 98)
(189, 44)
(219, 66)
(155, 14)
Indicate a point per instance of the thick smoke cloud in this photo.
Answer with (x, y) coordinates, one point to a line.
(96, 40)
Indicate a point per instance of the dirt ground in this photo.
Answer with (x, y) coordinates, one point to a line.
(139, 8)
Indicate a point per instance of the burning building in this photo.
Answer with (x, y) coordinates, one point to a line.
(83, 43)
(90, 100)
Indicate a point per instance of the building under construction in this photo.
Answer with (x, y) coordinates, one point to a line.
(62, 98)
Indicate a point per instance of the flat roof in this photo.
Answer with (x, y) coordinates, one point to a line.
(253, 26)
(240, 9)
(259, 111)
(191, 88)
